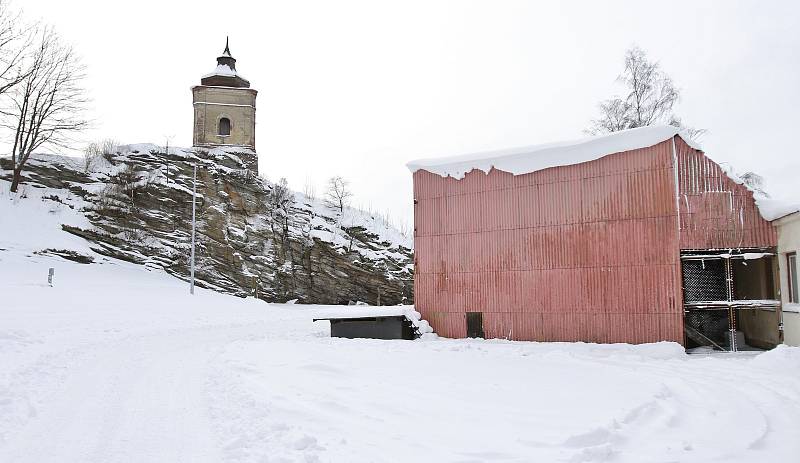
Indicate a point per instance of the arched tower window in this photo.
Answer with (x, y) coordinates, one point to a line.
(224, 126)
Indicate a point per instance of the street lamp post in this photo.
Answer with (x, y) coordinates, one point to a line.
(194, 227)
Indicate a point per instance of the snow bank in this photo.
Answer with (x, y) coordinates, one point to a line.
(32, 219)
(783, 357)
(533, 158)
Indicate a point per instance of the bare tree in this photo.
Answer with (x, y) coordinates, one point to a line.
(755, 182)
(129, 184)
(91, 154)
(693, 132)
(279, 202)
(47, 105)
(309, 190)
(338, 194)
(650, 97)
(14, 42)
(108, 148)
(280, 197)
(615, 117)
(105, 149)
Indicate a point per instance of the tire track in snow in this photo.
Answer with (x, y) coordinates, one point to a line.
(740, 393)
(143, 399)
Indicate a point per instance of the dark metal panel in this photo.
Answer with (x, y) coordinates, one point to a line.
(373, 328)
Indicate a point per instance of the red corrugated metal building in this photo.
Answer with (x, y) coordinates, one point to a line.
(580, 241)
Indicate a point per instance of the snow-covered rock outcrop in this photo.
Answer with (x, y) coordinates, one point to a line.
(136, 205)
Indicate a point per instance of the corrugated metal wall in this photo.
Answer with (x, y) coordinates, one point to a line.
(716, 212)
(587, 252)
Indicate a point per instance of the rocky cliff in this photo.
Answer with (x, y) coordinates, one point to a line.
(254, 238)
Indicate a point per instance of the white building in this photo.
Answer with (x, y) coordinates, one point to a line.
(788, 228)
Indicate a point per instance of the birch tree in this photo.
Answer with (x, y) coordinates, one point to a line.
(649, 99)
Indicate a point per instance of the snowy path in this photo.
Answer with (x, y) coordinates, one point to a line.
(133, 399)
(117, 364)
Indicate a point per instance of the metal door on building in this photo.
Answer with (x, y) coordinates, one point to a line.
(475, 325)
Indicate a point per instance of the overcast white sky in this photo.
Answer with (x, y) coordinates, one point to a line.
(359, 88)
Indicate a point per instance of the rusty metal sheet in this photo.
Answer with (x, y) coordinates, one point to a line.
(588, 252)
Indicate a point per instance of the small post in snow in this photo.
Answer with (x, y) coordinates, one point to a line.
(194, 226)
(50, 273)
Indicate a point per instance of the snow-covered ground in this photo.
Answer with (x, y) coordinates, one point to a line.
(117, 363)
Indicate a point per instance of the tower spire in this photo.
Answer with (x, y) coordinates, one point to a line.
(226, 58)
(227, 51)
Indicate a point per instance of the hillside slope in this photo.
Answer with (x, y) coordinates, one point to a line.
(136, 206)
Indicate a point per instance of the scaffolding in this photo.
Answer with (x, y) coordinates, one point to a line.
(718, 287)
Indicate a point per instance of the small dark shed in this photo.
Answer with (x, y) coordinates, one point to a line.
(372, 327)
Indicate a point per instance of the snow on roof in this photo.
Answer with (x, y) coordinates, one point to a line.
(538, 157)
(222, 70)
(774, 209)
(365, 311)
(769, 208)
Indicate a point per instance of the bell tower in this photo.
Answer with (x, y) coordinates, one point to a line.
(225, 109)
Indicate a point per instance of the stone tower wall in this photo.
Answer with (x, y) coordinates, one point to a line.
(213, 103)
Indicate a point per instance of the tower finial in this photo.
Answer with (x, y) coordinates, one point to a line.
(227, 51)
